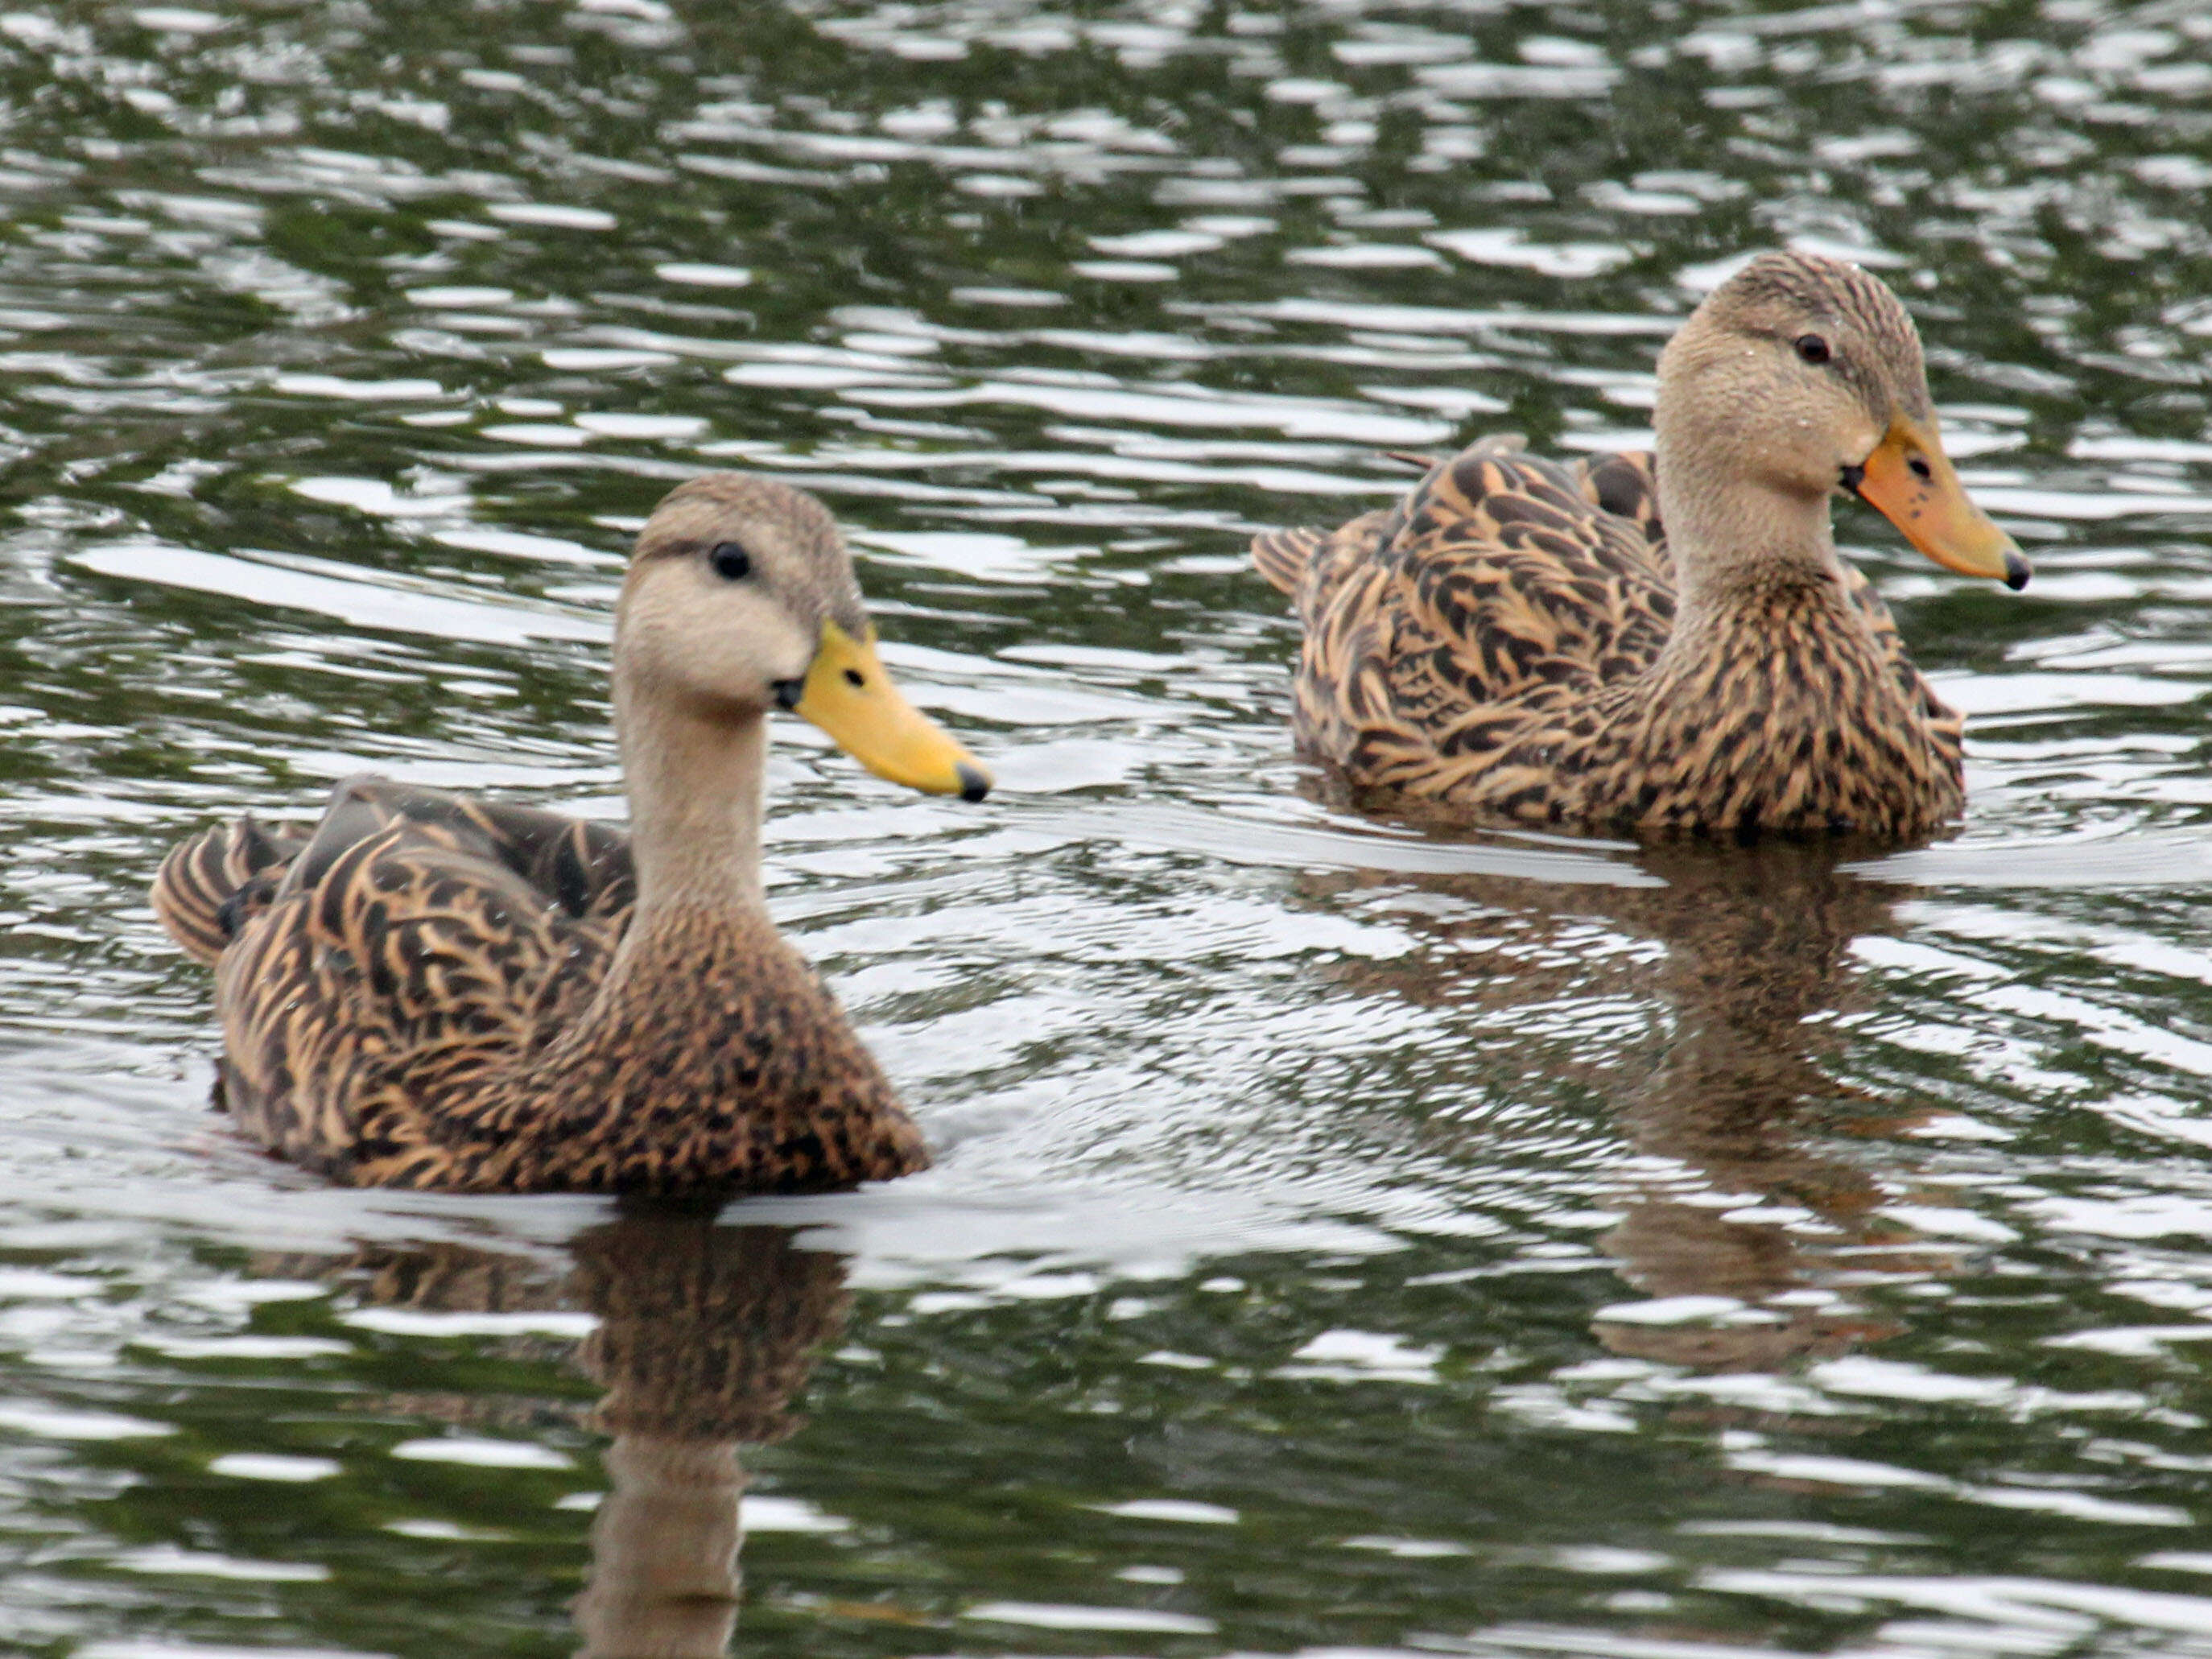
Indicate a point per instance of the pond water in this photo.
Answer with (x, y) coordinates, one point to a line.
(1343, 1242)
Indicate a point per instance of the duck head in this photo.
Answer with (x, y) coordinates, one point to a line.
(740, 598)
(1801, 376)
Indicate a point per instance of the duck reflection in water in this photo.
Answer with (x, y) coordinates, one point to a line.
(705, 1334)
(1726, 1081)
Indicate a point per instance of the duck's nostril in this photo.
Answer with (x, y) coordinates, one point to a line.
(856, 678)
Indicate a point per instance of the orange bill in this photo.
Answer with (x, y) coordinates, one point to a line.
(1910, 482)
(847, 694)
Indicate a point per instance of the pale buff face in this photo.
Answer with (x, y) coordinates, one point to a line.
(722, 645)
(1735, 381)
(1800, 376)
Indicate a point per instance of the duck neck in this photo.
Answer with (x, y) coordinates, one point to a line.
(694, 780)
(1737, 546)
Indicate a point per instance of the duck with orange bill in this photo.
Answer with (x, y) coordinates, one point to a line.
(1665, 643)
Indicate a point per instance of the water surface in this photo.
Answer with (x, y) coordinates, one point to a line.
(1345, 1241)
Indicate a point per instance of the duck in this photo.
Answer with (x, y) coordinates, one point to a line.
(1660, 643)
(435, 991)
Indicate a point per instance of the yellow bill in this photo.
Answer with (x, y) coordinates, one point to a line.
(847, 694)
(1908, 482)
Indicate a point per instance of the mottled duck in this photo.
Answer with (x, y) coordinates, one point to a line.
(1666, 642)
(430, 990)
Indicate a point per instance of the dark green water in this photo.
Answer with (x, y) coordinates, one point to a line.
(1342, 1245)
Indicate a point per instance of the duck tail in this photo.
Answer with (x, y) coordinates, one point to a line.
(1282, 556)
(208, 886)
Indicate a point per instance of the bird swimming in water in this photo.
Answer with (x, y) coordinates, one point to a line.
(1668, 642)
(431, 990)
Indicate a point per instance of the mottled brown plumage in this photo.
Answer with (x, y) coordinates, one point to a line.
(1522, 640)
(432, 991)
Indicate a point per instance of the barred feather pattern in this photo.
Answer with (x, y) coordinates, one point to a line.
(211, 883)
(419, 995)
(1496, 644)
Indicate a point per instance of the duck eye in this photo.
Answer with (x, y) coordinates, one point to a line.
(1813, 349)
(732, 563)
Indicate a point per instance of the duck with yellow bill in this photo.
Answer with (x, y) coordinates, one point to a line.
(433, 990)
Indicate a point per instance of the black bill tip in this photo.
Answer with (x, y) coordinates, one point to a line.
(2016, 571)
(975, 783)
(787, 693)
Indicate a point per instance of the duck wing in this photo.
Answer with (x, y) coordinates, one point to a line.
(212, 885)
(583, 867)
(202, 888)
(1504, 591)
(417, 942)
(1527, 584)
(1624, 485)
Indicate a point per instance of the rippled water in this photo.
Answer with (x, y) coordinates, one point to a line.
(1343, 1242)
